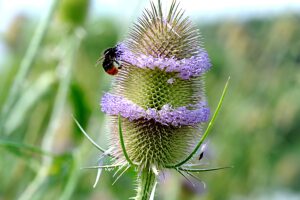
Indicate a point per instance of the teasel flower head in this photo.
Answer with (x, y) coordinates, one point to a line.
(159, 92)
(157, 104)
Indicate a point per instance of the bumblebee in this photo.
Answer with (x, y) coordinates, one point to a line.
(111, 64)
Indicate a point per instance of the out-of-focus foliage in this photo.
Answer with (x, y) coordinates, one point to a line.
(258, 130)
(42, 151)
(73, 11)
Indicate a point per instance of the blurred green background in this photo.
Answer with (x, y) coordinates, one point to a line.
(48, 74)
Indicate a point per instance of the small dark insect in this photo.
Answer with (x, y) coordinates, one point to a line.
(201, 155)
(202, 150)
(110, 63)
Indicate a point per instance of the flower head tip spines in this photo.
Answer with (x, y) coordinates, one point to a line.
(159, 91)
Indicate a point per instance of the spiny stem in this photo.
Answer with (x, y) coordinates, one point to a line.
(146, 184)
(207, 131)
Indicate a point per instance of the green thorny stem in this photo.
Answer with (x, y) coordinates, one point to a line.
(146, 185)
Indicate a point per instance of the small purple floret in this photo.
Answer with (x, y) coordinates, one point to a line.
(187, 68)
(186, 115)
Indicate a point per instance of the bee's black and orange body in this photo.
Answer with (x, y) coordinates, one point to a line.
(110, 63)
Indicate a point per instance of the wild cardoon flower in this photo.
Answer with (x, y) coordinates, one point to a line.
(157, 103)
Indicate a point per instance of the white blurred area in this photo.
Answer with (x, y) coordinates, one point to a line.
(206, 10)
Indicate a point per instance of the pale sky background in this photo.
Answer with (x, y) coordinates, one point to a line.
(198, 9)
(202, 10)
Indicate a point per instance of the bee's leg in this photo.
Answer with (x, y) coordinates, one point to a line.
(119, 64)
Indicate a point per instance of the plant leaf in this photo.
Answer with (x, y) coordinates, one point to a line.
(207, 131)
(103, 167)
(203, 170)
(15, 146)
(122, 141)
(88, 137)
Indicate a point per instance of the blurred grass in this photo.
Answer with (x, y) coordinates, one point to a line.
(257, 130)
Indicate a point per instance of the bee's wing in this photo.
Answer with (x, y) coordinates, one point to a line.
(99, 61)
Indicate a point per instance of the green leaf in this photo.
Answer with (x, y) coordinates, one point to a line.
(207, 131)
(89, 138)
(103, 167)
(203, 170)
(19, 112)
(27, 62)
(23, 148)
(122, 141)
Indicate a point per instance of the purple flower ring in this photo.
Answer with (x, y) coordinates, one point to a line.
(186, 68)
(190, 115)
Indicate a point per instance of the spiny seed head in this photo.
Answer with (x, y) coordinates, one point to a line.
(159, 90)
